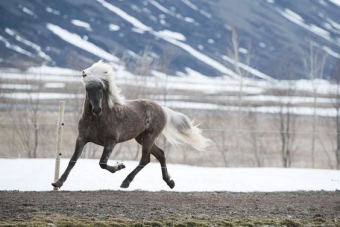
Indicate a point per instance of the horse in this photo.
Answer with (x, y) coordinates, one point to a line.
(107, 119)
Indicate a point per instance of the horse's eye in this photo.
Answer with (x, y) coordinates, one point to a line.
(105, 72)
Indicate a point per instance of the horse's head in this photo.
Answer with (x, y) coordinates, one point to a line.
(101, 74)
(96, 79)
(95, 93)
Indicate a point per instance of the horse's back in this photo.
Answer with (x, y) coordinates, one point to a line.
(151, 111)
(143, 104)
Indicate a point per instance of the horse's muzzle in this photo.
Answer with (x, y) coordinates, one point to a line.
(97, 111)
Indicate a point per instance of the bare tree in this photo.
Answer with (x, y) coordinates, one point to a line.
(164, 67)
(236, 60)
(142, 65)
(241, 63)
(24, 116)
(335, 93)
(314, 62)
(286, 118)
(255, 138)
(286, 126)
(219, 132)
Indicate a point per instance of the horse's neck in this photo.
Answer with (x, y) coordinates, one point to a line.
(106, 103)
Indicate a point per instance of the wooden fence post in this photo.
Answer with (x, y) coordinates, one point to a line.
(59, 140)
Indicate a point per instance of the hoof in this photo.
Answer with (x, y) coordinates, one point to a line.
(125, 184)
(121, 166)
(57, 184)
(171, 184)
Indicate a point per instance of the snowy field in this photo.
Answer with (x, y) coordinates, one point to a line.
(37, 175)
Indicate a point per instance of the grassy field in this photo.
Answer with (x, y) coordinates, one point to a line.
(231, 147)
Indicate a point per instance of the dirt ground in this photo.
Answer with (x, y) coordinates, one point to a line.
(173, 207)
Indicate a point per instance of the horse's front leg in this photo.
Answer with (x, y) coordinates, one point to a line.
(80, 143)
(105, 158)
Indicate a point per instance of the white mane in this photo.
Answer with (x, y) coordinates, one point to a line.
(103, 72)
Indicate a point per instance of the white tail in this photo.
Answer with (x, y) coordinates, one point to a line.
(179, 129)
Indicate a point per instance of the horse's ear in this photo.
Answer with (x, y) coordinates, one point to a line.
(102, 61)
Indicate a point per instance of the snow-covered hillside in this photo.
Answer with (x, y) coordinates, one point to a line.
(192, 34)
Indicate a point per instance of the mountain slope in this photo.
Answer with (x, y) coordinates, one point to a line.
(191, 35)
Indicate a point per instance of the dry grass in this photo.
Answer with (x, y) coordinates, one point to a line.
(229, 142)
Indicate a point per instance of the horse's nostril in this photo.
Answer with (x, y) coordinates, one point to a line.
(83, 73)
(97, 111)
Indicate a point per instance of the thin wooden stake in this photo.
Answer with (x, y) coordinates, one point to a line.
(59, 140)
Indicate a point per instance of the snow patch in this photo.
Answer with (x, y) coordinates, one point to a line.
(50, 10)
(137, 30)
(29, 12)
(202, 57)
(331, 52)
(262, 45)
(189, 19)
(18, 86)
(48, 70)
(297, 19)
(41, 96)
(191, 5)
(206, 14)
(29, 43)
(251, 70)
(113, 27)
(160, 7)
(77, 41)
(194, 74)
(134, 21)
(336, 2)
(82, 24)
(333, 23)
(187, 178)
(242, 50)
(171, 35)
(15, 47)
(54, 85)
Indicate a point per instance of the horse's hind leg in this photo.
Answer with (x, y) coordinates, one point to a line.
(159, 154)
(80, 143)
(105, 157)
(147, 142)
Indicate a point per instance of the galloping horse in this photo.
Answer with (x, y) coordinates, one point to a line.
(107, 120)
